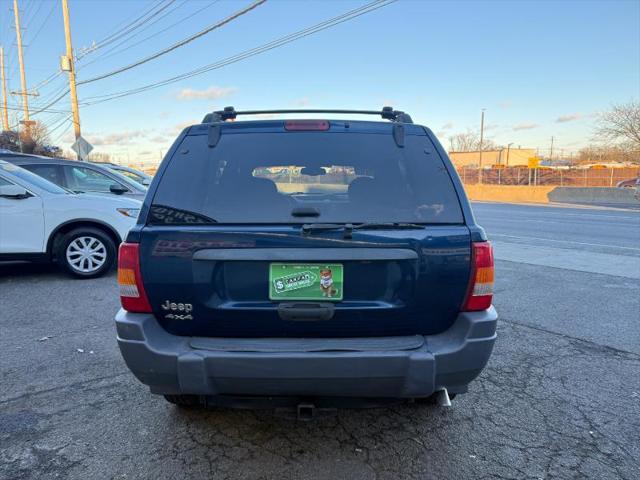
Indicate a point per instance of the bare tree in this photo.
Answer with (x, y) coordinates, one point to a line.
(35, 138)
(606, 154)
(621, 125)
(470, 142)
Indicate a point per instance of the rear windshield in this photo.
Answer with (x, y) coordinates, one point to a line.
(302, 177)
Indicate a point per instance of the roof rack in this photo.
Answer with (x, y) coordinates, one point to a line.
(230, 113)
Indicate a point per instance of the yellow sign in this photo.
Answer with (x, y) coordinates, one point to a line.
(534, 162)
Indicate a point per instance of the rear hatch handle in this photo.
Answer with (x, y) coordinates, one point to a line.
(306, 311)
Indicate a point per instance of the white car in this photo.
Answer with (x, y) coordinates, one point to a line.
(42, 221)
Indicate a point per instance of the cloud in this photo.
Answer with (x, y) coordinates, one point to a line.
(211, 93)
(569, 118)
(505, 104)
(447, 126)
(525, 126)
(127, 137)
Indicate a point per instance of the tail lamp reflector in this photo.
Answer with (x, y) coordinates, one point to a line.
(480, 293)
(132, 295)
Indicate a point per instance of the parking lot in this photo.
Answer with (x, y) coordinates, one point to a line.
(560, 397)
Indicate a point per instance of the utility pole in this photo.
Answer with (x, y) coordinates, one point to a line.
(23, 78)
(68, 64)
(5, 113)
(551, 151)
(481, 146)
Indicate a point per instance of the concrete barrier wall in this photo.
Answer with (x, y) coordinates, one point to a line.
(546, 194)
(623, 196)
(508, 193)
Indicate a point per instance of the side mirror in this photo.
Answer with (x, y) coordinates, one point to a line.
(146, 182)
(13, 191)
(117, 189)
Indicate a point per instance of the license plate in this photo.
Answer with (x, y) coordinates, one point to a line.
(306, 281)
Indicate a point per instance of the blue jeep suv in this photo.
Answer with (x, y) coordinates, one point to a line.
(306, 261)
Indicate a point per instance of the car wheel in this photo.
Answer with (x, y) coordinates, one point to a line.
(86, 252)
(184, 401)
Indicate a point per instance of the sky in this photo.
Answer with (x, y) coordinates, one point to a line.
(538, 68)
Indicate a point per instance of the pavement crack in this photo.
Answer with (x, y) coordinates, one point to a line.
(28, 395)
(623, 354)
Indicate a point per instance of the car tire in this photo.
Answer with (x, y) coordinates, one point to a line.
(86, 252)
(184, 401)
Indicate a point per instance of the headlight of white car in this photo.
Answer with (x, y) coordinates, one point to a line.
(129, 212)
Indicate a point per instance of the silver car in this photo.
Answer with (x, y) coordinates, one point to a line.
(79, 177)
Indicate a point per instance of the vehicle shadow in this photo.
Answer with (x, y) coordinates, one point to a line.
(23, 269)
(393, 441)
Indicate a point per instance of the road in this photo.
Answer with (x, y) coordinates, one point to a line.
(590, 290)
(559, 399)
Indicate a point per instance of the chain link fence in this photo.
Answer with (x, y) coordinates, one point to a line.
(571, 177)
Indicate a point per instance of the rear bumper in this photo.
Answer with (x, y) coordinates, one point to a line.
(398, 367)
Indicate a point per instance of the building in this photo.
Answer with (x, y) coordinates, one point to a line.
(508, 157)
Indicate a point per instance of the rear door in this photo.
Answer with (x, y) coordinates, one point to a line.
(21, 223)
(244, 233)
(48, 171)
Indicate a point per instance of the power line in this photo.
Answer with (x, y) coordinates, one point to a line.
(52, 128)
(128, 38)
(18, 108)
(27, 23)
(69, 123)
(53, 102)
(128, 28)
(344, 17)
(108, 53)
(33, 39)
(48, 80)
(179, 44)
(47, 98)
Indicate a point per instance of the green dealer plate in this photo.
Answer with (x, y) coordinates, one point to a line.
(306, 281)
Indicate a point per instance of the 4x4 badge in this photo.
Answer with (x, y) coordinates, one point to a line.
(185, 310)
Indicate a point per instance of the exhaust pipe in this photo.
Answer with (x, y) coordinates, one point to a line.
(442, 398)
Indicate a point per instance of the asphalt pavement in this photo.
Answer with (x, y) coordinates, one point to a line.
(559, 399)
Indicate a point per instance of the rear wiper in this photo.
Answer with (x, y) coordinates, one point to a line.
(389, 226)
(349, 227)
(307, 228)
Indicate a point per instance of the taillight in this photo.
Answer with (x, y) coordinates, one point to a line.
(480, 291)
(132, 295)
